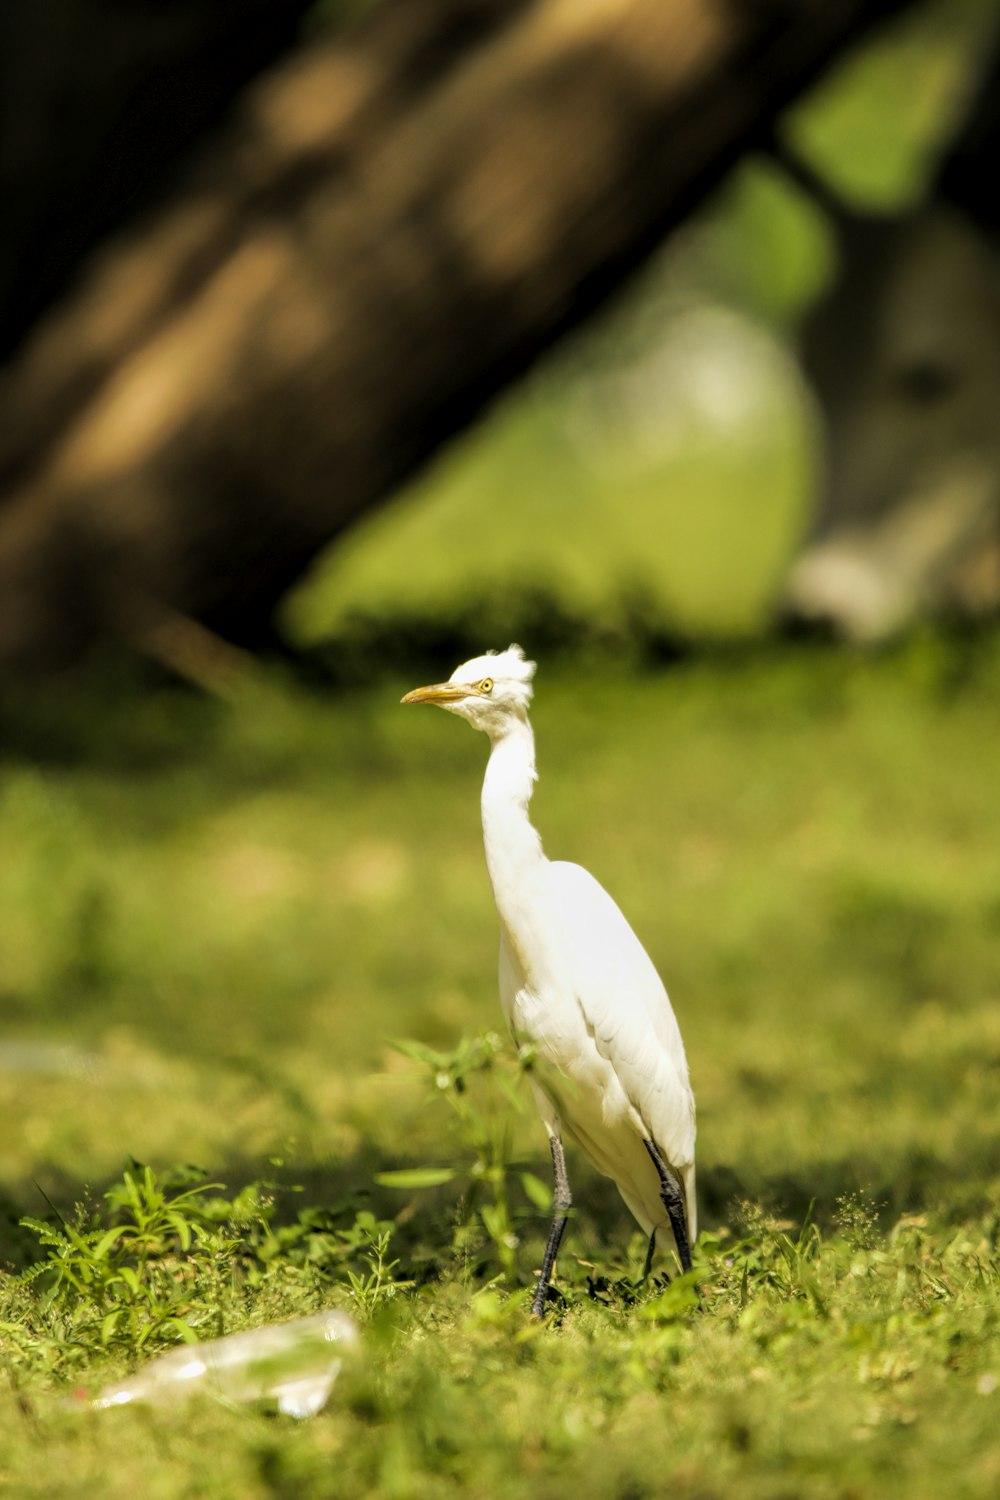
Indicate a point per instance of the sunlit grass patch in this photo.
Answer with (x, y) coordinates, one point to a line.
(215, 936)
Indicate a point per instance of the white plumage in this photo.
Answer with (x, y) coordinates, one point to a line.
(576, 983)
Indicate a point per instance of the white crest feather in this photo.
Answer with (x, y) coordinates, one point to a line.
(510, 666)
(512, 663)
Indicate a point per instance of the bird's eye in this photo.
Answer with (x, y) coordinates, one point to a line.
(486, 686)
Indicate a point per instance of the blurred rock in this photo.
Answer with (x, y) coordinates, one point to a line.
(904, 356)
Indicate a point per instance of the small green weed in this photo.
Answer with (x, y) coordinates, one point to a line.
(376, 1285)
(167, 1258)
(321, 1248)
(145, 1272)
(481, 1083)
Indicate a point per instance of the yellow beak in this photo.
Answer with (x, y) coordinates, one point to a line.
(438, 692)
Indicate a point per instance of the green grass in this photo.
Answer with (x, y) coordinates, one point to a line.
(216, 920)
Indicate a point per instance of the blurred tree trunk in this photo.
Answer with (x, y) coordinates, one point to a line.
(390, 231)
(98, 98)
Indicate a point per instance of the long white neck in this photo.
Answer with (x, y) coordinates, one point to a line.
(514, 855)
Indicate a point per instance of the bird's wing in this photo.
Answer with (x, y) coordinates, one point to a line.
(510, 979)
(626, 1008)
(511, 984)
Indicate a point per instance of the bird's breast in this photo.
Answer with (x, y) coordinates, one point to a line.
(569, 1066)
(546, 1015)
(555, 1028)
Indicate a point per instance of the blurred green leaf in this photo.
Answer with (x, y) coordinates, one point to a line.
(536, 1190)
(416, 1177)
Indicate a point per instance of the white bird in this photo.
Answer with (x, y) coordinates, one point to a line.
(576, 983)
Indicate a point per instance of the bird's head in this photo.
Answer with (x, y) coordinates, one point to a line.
(489, 690)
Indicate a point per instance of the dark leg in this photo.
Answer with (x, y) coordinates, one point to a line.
(673, 1202)
(650, 1251)
(561, 1203)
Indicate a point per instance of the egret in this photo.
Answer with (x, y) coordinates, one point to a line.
(576, 984)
